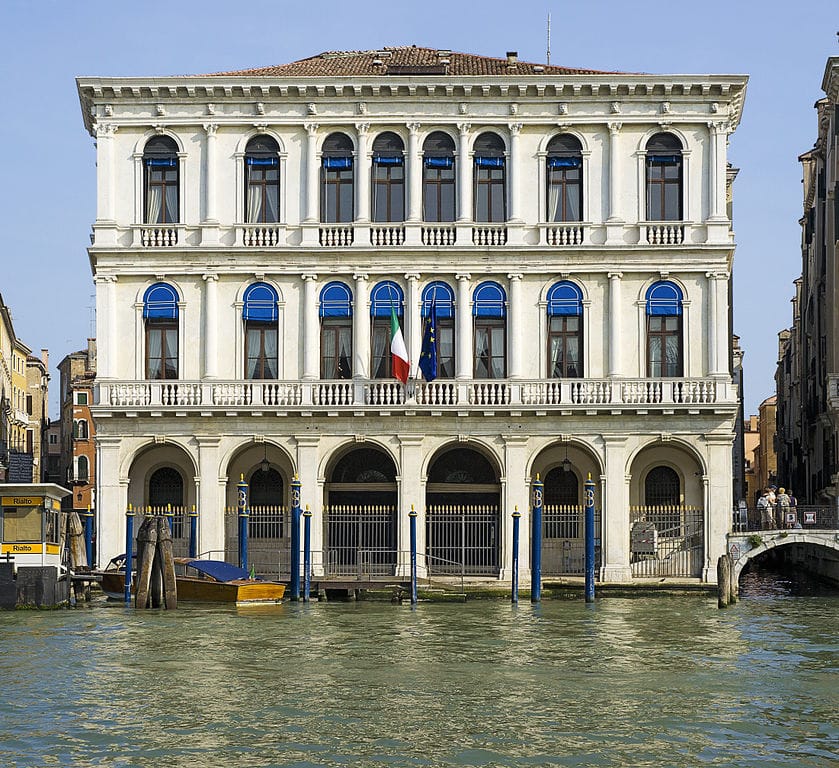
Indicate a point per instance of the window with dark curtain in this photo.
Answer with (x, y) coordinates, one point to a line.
(438, 178)
(337, 187)
(388, 178)
(664, 178)
(160, 167)
(262, 180)
(490, 179)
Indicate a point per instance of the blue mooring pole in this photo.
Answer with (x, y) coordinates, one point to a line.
(412, 515)
(193, 533)
(242, 488)
(295, 539)
(307, 553)
(589, 511)
(129, 550)
(536, 542)
(88, 536)
(514, 597)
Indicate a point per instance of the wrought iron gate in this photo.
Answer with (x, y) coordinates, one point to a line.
(666, 541)
(360, 541)
(269, 540)
(463, 539)
(178, 518)
(563, 540)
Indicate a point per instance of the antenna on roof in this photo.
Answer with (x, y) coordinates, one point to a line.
(548, 57)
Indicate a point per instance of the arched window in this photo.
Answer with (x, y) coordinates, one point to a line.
(388, 178)
(664, 178)
(337, 189)
(266, 495)
(565, 331)
(490, 325)
(662, 488)
(336, 331)
(160, 311)
(166, 488)
(438, 178)
(565, 179)
(490, 179)
(80, 429)
(664, 329)
(82, 469)
(262, 180)
(160, 166)
(385, 296)
(562, 499)
(441, 296)
(260, 315)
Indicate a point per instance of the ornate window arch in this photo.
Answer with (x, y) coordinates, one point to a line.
(665, 332)
(489, 309)
(565, 330)
(336, 311)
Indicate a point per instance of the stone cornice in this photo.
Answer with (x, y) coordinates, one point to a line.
(215, 90)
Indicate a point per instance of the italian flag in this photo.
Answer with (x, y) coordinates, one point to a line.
(401, 366)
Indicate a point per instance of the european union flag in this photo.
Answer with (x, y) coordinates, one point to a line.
(428, 353)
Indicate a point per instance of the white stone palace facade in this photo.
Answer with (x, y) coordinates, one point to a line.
(255, 229)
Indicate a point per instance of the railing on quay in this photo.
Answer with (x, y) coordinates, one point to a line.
(808, 517)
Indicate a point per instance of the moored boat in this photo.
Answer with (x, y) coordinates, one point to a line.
(205, 581)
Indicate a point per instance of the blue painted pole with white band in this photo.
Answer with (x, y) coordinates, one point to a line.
(536, 542)
(242, 489)
(295, 539)
(589, 533)
(307, 553)
(516, 521)
(88, 536)
(129, 550)
(412, 515)
(193, 532)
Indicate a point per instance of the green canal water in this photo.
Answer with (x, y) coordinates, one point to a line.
(644, 681)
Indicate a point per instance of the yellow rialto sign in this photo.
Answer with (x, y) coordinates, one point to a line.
(28, 549)
(21, 501)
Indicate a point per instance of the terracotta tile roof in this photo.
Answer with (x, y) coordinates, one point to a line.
(405, 60)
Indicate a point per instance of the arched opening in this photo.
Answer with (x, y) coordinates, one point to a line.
(166, 497)
(359, 518)
(463, 518)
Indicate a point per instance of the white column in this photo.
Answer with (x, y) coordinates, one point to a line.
(411, 494)
(614, 173)
(720, 285)
(515, 333)
(111, 501)
(105, 171)
(463, 329)
(716, 170)
(312, 173)
(210, 174)
(211, 500)
(711, 322)
(615, 513)
(615, 339)
(362, 175)
(719, 502)
(414, 174)
(106, 310)
(516, 494)
(413, 324)
(211, 326)
(311, 493)
(514, 213)
(310, 335)
(361, 329)
(464, 174)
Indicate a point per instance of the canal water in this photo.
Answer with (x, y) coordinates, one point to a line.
(644, 681)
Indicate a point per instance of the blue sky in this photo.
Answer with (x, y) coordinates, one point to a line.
(47, 199)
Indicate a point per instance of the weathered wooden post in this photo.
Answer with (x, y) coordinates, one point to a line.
(146, 553)
(589, 533)
(295, 539)
(412, 516)
(514, 597)
(129, 550)
(167, 561)
(536, 541)
(723, 581)
(242, 488)
(193, 532)
(307, 553)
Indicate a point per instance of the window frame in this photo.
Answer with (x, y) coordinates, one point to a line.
(563, 148)
(387, 179)
(489, 178)
(439, 175)
(664, 151)
(259, 152)
(161, 152)
(337, 148)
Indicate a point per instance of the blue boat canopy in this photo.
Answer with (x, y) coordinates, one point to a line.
(218, 570)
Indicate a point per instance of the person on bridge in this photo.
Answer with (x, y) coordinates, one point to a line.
(783, 502)
(765, 510)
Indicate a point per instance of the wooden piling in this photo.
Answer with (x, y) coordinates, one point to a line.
(75, 534)
(723, 581)
(167, 561)
(146, 550)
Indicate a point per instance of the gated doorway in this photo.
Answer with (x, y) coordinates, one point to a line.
(462, 517)
(359, 518)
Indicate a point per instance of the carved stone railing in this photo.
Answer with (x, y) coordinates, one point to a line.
(440, 234)
(664, 232)
(336, 236)
(392, 234)
(158, 236)
(489, 234)
(564, 234)
(478, 394)
(262, 235)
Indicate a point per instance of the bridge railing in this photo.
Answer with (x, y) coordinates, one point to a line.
(802, 516)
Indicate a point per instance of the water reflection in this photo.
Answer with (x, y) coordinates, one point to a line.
(654, 681)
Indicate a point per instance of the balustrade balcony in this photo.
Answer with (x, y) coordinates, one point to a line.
(478, 395)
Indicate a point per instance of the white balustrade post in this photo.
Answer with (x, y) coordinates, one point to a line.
(310, 335)
(211, 326)
(463, 329)
(361, 329)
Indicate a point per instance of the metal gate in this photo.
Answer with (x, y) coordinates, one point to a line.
(666, 541)
(463, 539)
(360, 540)
(178, 518)
(269, 540)
(563, 540)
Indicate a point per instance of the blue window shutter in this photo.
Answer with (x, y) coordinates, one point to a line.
(664, 298)
(489, 300)
(564, 162)
(443, 297)
(388, 160)
(267, 161)
(383, 296)
(565, 298)
(161, 162)
(336, 301)
(489, 162)
(337, 162)
(260, 303)
(160, 301)
(439, 162)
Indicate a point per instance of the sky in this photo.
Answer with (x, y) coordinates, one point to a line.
(48, 196)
